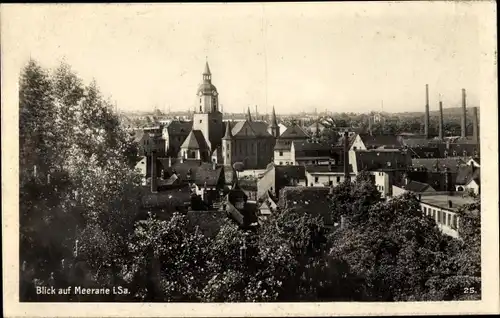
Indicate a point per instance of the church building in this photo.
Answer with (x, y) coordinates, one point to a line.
(210, 139)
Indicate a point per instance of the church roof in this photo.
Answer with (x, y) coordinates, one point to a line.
(250, 129)
(206, 88)
(195, 140)
(274, 122)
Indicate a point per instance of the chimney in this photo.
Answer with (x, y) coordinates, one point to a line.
(441, 121)
(346, 156)
(426, 120)
(475, 126)
(464, 114)
(154, 188)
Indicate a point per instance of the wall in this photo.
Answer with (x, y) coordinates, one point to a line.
(358, 144)
(324, 179)
(382, 182)
(282, 159)
(471, 186)
(449, 226)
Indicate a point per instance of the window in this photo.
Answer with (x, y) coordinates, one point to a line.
(425, 209)
(454, 223)
(338, 179)
(434, 215)
(281, 153)
(440, 216)
(316, 179)
(281, 163)
(200, 121)
(330, 183)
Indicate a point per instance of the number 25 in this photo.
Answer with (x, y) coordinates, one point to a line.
(469, 290)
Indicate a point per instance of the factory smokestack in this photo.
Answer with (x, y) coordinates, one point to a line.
(464, 114)
(441, 121)
(475, 126)
(426, 120)
(346, 156)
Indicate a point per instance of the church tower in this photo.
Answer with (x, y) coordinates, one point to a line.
(227, 145)
(208, 118)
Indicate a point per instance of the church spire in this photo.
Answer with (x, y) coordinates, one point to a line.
(274, 122)
(249, 116)
(207, 69)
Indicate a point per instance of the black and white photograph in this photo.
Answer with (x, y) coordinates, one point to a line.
(249, 153)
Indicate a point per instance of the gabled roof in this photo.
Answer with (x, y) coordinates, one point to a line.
(294, 132)
(207, 174)
(418, 187)
(260, 128)
(311, 149)
(195, 140)
(243, 129)
(282, 145)
(378, 159)
(467, 173)
(171, 200)
(376, 141)
(310, 200)
(179, 128)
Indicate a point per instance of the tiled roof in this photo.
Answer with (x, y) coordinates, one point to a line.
(310, 200)
(440, 163)
(207, 174)
(243, 129)
(170, 200)
(375, 141)
(282, 145)
(294, 132)
(415, 186)
(467, 173)
(179, 128)
(195, 140)
(311, 149)
(373, 159)
(326, 169)
(260, 128)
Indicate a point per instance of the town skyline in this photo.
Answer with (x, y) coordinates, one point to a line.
(295, 60)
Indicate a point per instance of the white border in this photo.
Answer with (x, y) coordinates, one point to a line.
(490, 265)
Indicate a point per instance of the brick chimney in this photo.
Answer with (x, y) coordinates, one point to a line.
(475, 125)
(346, 156)
(464, 114)
(426, 119)
(154, 187)
(441, 121)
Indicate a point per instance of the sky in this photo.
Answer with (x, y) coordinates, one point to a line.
(340, 57)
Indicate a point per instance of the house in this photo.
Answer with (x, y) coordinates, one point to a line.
(249, 186)
(316, 127)
(308, 152)
(326, 175)
(281, 126)
(468, 178)
(276, 177)
(282, 148)
(443, 209)
(370, 160)
(151, 141)
(309, 200)
(370, 141)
